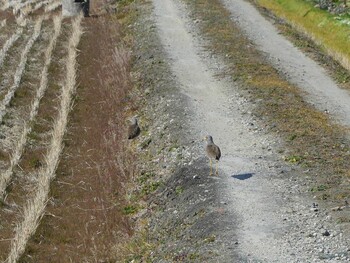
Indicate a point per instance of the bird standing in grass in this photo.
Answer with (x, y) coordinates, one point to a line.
(133, 129)
(213, 152)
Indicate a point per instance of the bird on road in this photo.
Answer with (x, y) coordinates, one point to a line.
(213, 152)
(133, 129)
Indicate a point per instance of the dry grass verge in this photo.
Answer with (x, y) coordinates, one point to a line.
(320, 148)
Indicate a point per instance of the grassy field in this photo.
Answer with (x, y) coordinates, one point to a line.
(328, 30)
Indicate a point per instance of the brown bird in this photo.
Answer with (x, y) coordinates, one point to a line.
(133, 129)
(213, 152)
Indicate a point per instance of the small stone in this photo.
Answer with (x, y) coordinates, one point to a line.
(326, 233)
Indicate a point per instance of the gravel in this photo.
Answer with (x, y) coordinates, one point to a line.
(259, 209)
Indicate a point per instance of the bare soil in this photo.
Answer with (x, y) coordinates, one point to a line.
(84, 218)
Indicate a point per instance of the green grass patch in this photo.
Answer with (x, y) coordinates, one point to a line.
(293, 159)
(137, 249)
(179, 190)
(150, 188)
(318, 188)
(129, 210)
(145, 176)
(322, 26)
(35, 162)
(210, 239)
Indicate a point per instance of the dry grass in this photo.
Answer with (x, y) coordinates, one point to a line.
(137, 249)
(20, 69)
(3, 23)
(95, 164)
(5, 179)
(34, 209)
(24, 7)
(310, 139)
(53, 6)
(17, 152)
(9, 43)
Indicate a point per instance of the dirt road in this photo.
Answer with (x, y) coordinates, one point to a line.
(272, 215)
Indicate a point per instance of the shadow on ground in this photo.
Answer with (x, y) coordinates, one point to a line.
(244, 176)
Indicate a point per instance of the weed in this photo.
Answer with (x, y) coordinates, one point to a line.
(35, 163)
(145, 143)
(6, 119)
(319, 188)
(3, 155)
(293, 159)
(150, 188)
(292, 137)
(130, 209)
(194, 256)
(137, 249)
(21, 93)
(173, 147)
(179, 190)
(33, 136)
(145, 176)
(210, 239)
(343, 219)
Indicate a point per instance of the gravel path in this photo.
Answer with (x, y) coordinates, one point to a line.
(299, 69)
(277, 222)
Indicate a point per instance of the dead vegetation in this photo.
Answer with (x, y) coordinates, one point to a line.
(96, 163)
(38, 108)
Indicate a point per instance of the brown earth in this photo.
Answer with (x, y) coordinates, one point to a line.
(84, 218)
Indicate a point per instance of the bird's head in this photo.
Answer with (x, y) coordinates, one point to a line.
(133, 119)
(208, 139)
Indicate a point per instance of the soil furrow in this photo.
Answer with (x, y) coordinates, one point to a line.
(6, 72)
(19, 119)
(34, 208)
(9, 97)
(24, 108)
